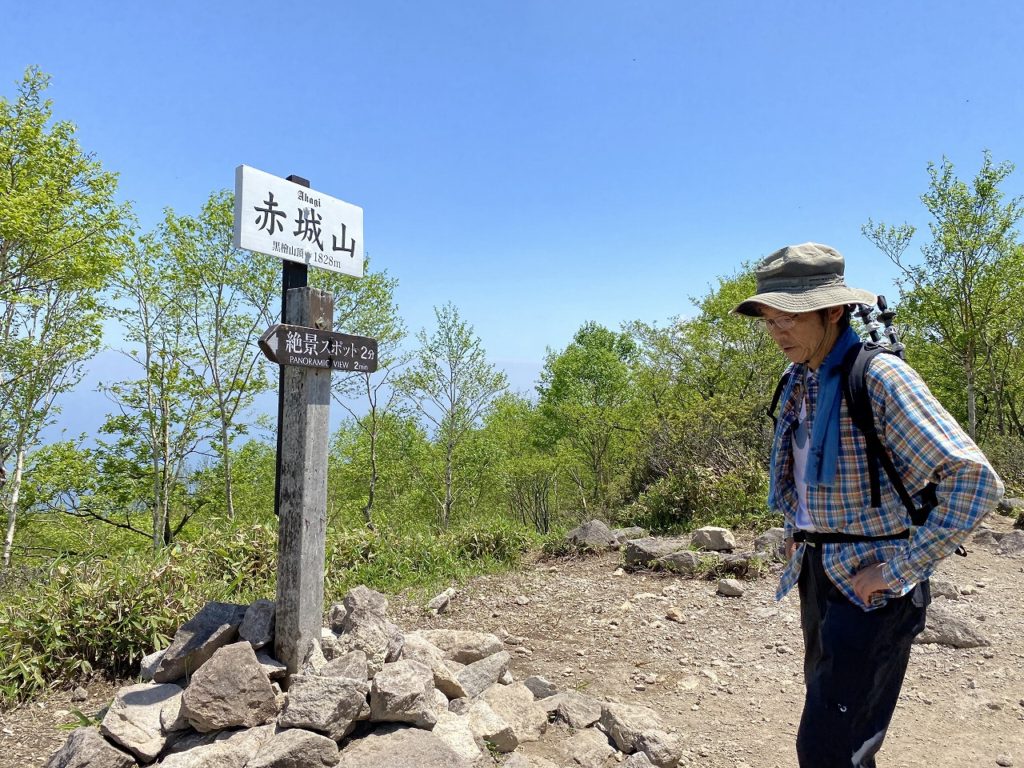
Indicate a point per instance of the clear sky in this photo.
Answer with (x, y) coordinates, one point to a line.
(542, 163)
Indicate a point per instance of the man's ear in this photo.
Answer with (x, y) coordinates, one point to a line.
(834, 313)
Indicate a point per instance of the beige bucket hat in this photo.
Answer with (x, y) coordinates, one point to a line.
(802, 278)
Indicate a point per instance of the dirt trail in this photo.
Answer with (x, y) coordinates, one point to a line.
(726, 678)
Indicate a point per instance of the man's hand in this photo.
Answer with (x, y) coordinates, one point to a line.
(790, 547)
(867, 581)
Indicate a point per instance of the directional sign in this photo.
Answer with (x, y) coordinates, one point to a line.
(280, 218)
(313, 348)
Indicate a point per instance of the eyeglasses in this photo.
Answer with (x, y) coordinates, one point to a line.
(781, 323)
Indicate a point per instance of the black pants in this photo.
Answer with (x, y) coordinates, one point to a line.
(854, 663)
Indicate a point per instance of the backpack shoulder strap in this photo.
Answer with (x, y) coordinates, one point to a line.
(775, 400)
(858, 402)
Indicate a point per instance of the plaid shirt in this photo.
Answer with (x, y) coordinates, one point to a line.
(926, 445)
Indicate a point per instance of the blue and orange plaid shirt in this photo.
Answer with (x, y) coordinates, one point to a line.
(926, 445)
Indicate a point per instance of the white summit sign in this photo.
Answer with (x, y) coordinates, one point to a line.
(280, 218)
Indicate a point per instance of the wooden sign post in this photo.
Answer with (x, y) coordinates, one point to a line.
(287, 219)
(302, 493)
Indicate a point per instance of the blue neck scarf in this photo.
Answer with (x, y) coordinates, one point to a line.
(824, 452)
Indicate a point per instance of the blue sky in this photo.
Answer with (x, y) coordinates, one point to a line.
(542, 163)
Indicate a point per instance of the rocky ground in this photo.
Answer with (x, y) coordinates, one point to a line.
(723, 672)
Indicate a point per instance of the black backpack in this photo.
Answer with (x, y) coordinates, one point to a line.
(854, 371)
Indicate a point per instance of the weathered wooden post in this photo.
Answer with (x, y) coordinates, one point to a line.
(286, 218)
(302, 494)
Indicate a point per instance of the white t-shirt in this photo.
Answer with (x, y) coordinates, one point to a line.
(801, 447)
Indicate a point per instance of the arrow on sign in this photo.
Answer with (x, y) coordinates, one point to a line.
(314, 348)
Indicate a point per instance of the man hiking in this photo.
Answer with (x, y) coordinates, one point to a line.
(862, 569)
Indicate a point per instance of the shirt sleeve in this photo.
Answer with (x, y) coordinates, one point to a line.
(928, 445)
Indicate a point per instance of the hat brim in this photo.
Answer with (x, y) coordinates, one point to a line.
(806, 301)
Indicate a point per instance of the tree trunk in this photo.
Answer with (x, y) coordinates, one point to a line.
(448, 480)
(372, 492)
(228, 497)
(972, 410)
(12, 506)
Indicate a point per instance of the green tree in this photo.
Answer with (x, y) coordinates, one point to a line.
(227, 299)
(59, 234)
(585, 396)
(368, 308)
(528, 474)
(166, 415)
(963, 299)
(704, 382)
(450, 385)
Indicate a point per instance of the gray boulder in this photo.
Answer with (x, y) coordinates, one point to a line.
(446, 680)
(573, 708)
(1012, 544)
(403, 692)
(640, 553)
(296, 748)
(477, 677)
(622, 535)
(197, 639)
(229, 691)
(258, 624)
(945, 627)
(439, 603)
(396, 746)
(515, 705)
(730, 588)
(365, 627)
(686, 563)
(772, 543)
(133, 719)
(457, 733)
(352, 664)
(491, 727)
(327, 705)
(594, 536)
(230, 749)
(86, 748)
(661, 749)
(714, 539)
(462, 646)
(540, 686)
(625, 723)
(588, 748)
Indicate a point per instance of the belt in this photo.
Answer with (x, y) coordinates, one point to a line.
(830, 537)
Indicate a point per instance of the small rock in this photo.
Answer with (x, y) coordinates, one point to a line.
(730, 588)
(79, 694)
(1005, 761)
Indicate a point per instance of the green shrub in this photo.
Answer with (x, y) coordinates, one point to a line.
(101, 615)
(1007, 457)
(104, 615)
(696, 496)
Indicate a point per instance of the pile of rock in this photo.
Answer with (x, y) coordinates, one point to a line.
(708, 550)
(367, 695)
